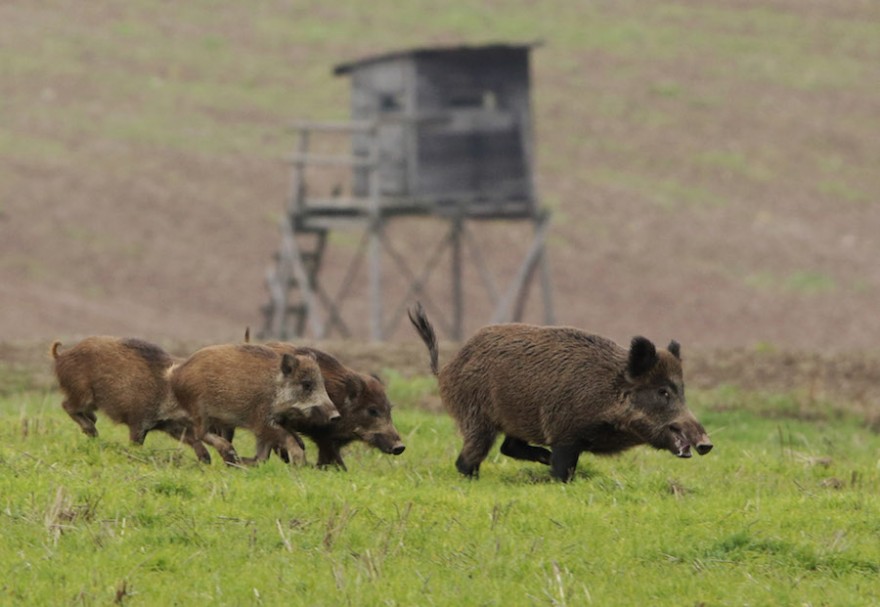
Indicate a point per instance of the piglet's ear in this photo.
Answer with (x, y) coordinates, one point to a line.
(354, 385)
(642, 357)
(675, 349)
(288, 364)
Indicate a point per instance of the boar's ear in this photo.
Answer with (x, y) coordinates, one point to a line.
(642, 357)
(288, 364)
(675, 349)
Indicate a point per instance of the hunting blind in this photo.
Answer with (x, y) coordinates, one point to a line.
(443, 132)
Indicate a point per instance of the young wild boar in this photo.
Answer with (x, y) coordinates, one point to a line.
(249, 386)
(361, 401)
(564, 388)
(127, 379)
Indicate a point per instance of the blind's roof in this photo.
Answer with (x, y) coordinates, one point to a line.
(345, 68)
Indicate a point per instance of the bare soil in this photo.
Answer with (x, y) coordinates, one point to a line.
(691, 199)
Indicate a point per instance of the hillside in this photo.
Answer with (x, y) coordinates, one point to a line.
(712, 167)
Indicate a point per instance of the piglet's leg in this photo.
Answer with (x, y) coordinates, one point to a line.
(282, 441)
(293, 445)
(329, 453)
(184, 432)
(84, 419)
(279, 449)
(223, 447)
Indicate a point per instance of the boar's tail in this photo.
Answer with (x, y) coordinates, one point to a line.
(420, 321)
(53, 349)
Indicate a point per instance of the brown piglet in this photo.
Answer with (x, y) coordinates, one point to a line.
(365, 412)
(128, 380)
(253, 387)
(561, 387)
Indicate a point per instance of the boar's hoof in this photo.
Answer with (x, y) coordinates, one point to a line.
(469, 470)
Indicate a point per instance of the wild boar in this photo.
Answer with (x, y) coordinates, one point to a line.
(250, 386)
(365, 412)
(127, 379)
(564, 388)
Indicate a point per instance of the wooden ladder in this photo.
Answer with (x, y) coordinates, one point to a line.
(295, 294)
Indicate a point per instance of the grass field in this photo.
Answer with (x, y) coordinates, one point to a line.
(782, 512)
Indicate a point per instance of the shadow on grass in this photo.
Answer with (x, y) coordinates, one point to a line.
(540, 475)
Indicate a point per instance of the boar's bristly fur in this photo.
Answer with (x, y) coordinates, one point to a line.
(564, 388)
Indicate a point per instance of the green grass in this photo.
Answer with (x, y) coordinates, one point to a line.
(782, 512)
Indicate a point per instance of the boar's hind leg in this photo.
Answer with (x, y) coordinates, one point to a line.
(564, 461)
(520, 449)
(477, 443)
(84, 419)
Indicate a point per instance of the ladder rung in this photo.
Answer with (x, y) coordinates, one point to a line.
(326, 160)
(330, 203)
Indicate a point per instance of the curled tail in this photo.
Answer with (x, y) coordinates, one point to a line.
(420, 321)
(53, 349)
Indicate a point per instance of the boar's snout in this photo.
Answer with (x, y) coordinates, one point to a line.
(686, 435)
(398, 449)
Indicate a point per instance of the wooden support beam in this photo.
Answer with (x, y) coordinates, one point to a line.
(457, 289)
(503, 310)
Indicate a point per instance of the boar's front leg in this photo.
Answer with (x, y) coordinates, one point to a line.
(520, 449)
(137, 433)
(564, 461)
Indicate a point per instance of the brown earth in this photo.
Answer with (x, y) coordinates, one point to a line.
(729, 205)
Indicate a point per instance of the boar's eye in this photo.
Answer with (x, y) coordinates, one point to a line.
(307, 385)
(664, 393)
(373, 412)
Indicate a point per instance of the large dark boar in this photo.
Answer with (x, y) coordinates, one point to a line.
(561, 387)
(127, 379)
(253, 387)
(361, 401)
